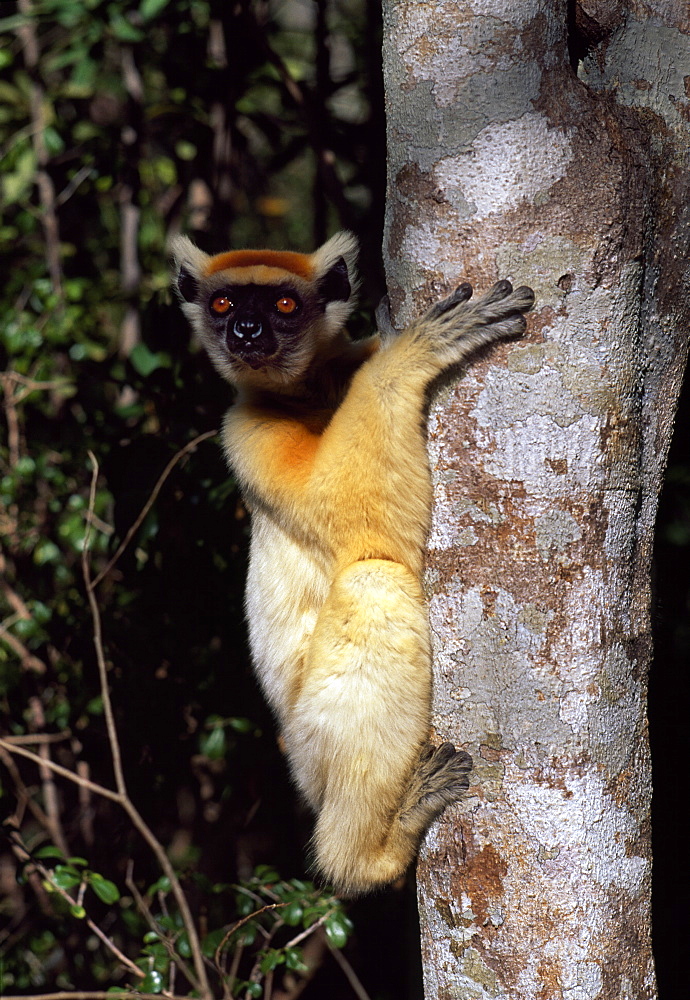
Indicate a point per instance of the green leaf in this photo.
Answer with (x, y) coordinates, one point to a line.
(336, 935)
(46, 552)
(162, 885)
(145, 361)
(77, 911)
(151, 983)
(241, 725)
(338, 927)
(245, 904)
(293, 914)
(15, 183)
(183, 946)
(49, 851)
(293, 960)
(125, 31)
(266, 874)
(106, 891)
(151, 8)
(271, 960)
(210, 943)
(65, 879)
(212, 745)
(254, 989)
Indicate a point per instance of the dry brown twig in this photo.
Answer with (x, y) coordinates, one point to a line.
(50, 880)
(198, 980)
(144, 909)
(177, 457)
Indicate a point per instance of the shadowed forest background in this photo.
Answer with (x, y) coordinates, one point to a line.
(243, 124)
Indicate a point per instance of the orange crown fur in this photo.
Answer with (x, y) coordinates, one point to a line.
(296, 263)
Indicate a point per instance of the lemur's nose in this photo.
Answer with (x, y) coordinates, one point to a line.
(247, 329)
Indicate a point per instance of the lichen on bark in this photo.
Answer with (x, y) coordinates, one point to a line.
(547, 458)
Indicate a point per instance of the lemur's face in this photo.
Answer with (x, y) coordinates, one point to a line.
(261, 323)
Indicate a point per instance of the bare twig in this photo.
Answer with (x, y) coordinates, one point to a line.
(70, 188)
(27, 658)
(232, 974)
(37, 738)
(13, 436)
(24, 799)
(130, 268)
(255, 974)
(153, 924)
(150, 839)
(189, 447)
(21, 613)
(349, 973)
(107, 793)
(110, 945)
(240, 923)
(85, 808)
(201, 982)
(310, 930)
(295, 983)
(98, 644)
(37, 720)
(34, 385)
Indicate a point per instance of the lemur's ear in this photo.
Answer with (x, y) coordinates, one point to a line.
(189, 264)
(339, 255)
(335, 285)
(187, 285)
(335, 274)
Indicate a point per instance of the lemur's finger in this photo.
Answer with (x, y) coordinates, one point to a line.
(461, 294)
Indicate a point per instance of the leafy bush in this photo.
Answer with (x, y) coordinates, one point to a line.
(121, 122)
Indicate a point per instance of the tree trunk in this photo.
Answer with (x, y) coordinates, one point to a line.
(547, 460)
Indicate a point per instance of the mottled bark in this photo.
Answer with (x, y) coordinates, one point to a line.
(547, 459)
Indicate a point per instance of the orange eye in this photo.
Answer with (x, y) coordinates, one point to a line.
(286, 305)
(221, 304)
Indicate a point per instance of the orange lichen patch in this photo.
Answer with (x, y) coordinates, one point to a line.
(294, 263)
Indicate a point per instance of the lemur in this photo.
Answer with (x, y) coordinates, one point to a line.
(327, 440)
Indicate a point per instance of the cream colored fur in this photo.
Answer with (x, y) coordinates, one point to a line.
(338, 484)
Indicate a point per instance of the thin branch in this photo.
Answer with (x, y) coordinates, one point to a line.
(309, 930)
(110, 945)
(349, 973)
(98, 643)
(70, 188)
(27, 658)
(50, 797)
(107, 793)
(13, 435)
(153, 924)
(189, 447)
(150, 839)
(202, 983)
(36, 738)
(86, 810)
(23, 796)
(236, 927)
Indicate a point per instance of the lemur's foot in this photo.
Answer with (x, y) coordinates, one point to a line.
(441, 777)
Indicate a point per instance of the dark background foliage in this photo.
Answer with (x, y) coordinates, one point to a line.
(245, 124)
